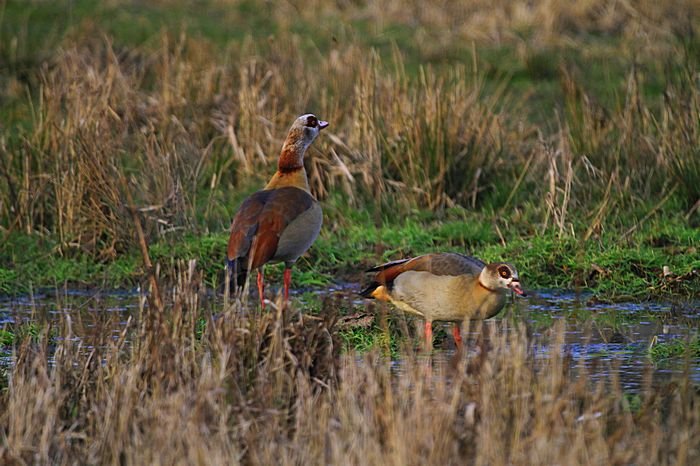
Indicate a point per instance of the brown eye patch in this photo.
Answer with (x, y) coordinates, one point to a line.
(312, 122)
(504, 272)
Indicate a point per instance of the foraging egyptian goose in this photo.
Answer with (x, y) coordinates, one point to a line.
(446, 287)
(279, 223)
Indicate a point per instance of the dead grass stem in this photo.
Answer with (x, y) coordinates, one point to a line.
(186, 386)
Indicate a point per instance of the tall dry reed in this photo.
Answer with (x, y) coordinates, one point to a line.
(189, 127)
(193, 385)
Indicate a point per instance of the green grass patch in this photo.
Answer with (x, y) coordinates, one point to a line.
(613, 269)
(6, 338)
(675, 348)
(384, 338)
(362, 340)
(14, 334)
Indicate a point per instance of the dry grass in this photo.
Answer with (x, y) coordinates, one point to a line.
(272, 388)
(189, 126)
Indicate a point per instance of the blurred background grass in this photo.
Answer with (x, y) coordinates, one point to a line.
(562, 136)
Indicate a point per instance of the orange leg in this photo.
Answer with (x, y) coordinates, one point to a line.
(428, 335)
(457, 333)
(261, 289)
(287, 283)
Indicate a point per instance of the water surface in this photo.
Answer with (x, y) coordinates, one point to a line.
(598, 337)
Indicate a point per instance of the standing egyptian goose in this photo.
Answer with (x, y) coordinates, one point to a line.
(446, 287)
(279, 223)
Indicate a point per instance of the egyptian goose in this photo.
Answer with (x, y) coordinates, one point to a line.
(446, 287)
(280, 222)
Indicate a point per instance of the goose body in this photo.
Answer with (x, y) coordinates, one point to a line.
(444, 287)
(280, 222)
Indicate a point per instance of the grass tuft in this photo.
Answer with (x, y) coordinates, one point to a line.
(197, 383)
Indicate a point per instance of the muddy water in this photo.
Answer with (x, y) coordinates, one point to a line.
(599, 337)
(602, 338)
(92, 316)
(619, 335)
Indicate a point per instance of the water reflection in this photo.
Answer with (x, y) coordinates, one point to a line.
(92, 317)
(599, 338)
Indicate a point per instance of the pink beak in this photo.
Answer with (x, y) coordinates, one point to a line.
(515, 286)
(322, 124)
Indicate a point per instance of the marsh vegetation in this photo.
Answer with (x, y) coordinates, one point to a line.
(194, 385)
(561, 136)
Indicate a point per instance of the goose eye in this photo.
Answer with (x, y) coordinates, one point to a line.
(504, 272)
(312, 122)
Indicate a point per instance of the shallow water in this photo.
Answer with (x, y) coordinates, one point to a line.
(92, 315)
(599, 337)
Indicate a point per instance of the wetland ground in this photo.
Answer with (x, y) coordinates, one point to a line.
(561, 136)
